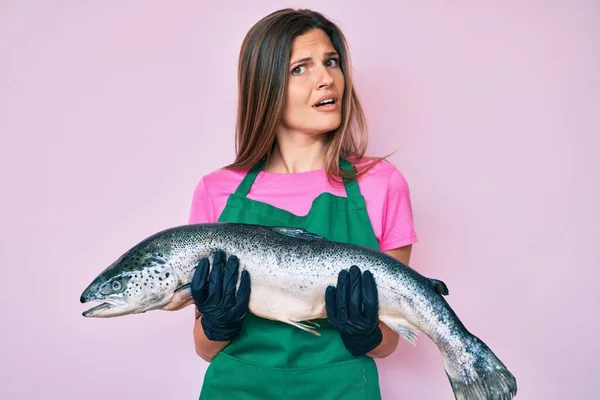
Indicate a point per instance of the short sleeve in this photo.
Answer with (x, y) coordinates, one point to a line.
(397, 225)
(201, 209)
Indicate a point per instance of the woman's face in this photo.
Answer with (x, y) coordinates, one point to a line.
(315, 86)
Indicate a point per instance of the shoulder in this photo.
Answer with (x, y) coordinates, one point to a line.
(382, 175)
(219, 180)
(215, 185)
(388, 203)
(211, 193)
(223, 174)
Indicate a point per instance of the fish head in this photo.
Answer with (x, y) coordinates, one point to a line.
(142, 279)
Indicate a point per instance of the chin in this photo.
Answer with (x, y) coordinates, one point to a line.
(327, 126)
(316, 126)
(320, 130)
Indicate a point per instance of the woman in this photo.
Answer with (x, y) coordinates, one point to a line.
(300, 163)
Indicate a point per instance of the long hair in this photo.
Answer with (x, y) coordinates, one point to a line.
(262, 83)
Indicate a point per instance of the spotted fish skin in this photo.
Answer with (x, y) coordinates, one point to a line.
(290, 270)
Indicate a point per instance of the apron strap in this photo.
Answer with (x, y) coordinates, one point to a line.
(246, 184)
(352, 189)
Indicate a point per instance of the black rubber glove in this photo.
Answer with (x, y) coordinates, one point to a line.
(215, 296)
(352, 309)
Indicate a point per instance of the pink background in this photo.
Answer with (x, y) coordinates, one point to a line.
(111, 112)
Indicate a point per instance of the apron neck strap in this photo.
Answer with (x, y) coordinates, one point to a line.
(248, 181)
(352, 190)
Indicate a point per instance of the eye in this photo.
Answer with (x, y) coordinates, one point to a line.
(297, 70)
(116, 285)
(332, 62)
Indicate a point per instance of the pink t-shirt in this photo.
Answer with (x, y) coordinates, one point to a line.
(384, 188)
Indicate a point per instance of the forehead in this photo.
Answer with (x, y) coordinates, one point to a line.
(315, 40)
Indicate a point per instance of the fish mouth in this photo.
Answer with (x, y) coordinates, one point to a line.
(96, 309)
(111, 307)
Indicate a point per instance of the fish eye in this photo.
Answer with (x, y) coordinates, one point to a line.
(116, 285)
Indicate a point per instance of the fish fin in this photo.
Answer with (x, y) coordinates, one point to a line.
(313, 323)
(439, 286)
(403, 328)
(186, 288)
(302, 326)
(298, 233)
(182, 297)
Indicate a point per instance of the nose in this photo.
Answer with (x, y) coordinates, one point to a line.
(324, 78)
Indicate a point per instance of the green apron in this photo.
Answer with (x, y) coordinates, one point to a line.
(274, 360)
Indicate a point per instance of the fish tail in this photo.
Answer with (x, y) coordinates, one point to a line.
(479, 375)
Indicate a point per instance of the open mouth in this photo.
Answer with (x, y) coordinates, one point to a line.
(326, 102)
(93, 310)
(103, 309)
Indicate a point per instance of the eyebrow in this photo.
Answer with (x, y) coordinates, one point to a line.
(328, 54)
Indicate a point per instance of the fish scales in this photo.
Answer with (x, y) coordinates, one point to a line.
(301, 272)
(290, 270)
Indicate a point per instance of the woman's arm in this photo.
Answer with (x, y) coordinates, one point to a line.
(207, 349)
(390, 338)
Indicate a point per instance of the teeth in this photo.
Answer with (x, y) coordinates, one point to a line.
(325, 102)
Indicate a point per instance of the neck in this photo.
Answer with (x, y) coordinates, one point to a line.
(297, 153)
